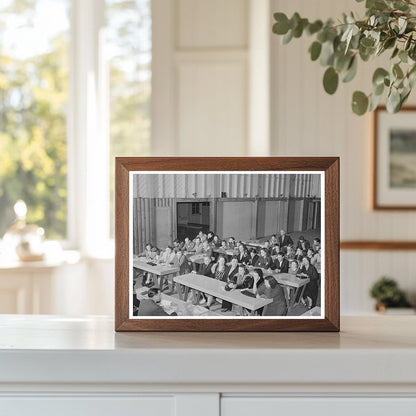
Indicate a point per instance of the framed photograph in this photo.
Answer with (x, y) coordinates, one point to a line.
(394, 179)
(227, 244)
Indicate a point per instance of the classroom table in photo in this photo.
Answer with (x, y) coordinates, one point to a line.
(171, 304)
(216, 288)
(227, 252)
(295, 285)
(254, 243)
(161, 270)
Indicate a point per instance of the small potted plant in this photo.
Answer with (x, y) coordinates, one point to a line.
(387, 294)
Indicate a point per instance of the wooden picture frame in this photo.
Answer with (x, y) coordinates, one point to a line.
(127, 167)
(388, 192)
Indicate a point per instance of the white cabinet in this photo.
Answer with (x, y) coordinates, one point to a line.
(324, 406)
(52, 365)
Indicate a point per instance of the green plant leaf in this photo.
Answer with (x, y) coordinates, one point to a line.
(281, 27)
(397, 71)
(314, 27)
(327, 53)
(330, 80)
(379, 75)
(315, 50)
(288, 37)
(393, 101)
(359, 103)
(374, 102)
(351, 72)
(403, 56)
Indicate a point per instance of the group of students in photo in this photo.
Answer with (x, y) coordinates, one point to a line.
(248, 268)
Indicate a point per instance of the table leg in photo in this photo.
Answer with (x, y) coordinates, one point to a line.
(161, 282)
(180, 289)
(195, 294)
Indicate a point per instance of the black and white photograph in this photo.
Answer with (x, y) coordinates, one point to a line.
(226, 245)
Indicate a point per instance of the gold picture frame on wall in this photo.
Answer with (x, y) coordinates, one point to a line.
(144, 184)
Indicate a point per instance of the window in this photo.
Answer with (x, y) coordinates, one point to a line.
(75, 87)
(33, 103)
(129, 45)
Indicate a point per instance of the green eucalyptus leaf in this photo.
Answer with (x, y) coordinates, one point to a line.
(315, 50)
(408, 42)
(314, 27)
(288, 37)
(403, 56)
(378, 89)
(330, 80)
(327, 53)
(389, 43)
(351, 72)
(397, 71)
(393, 101)
(379, 75)
(376, 4)
(359, 103)
(395, 52)
(374, 101)
(282, 26)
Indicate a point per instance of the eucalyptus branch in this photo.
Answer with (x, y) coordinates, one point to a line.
(389, 26)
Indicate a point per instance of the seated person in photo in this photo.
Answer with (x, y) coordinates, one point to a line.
(268, 288)
(243, 255)
(219, 272)
(216, 242)
(264, 261)
(290, 252)
(284, 240)
(177, 245)
(168, 256)
(151, 306)
(310, 295)
(231, 279)
(219, 269)
(148, 253)
(243, 279)
(207, 249)
(268, 247)
(206, 267)
(281, 265)
(316, 245)
(210, 237)
(253, 257)
(188, 245)
(303, 244)
(231, 243)
(198, 247)
(316, 261)
(310, 253)
(294, 268)
(182, 262)
(300, 254)
(274, 241)
(136, 304)
(224, 245)
(201, 236)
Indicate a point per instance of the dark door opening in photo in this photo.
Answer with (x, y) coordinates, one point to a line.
(192, 217)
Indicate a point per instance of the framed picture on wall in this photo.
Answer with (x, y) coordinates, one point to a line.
(227, 244)
(394, 178)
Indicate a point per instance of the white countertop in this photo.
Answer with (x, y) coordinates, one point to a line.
(53, 349)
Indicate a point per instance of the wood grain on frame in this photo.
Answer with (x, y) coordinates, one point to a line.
(330, 165)
(375, 204)
(378, 245)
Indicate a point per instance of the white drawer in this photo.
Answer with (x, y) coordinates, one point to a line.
(87, 406)
(272, 406)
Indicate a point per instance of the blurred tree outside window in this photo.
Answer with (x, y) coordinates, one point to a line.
(34, 91)
(129, 51)
(33, 102)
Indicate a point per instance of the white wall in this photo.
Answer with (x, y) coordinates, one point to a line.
(308, 122)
